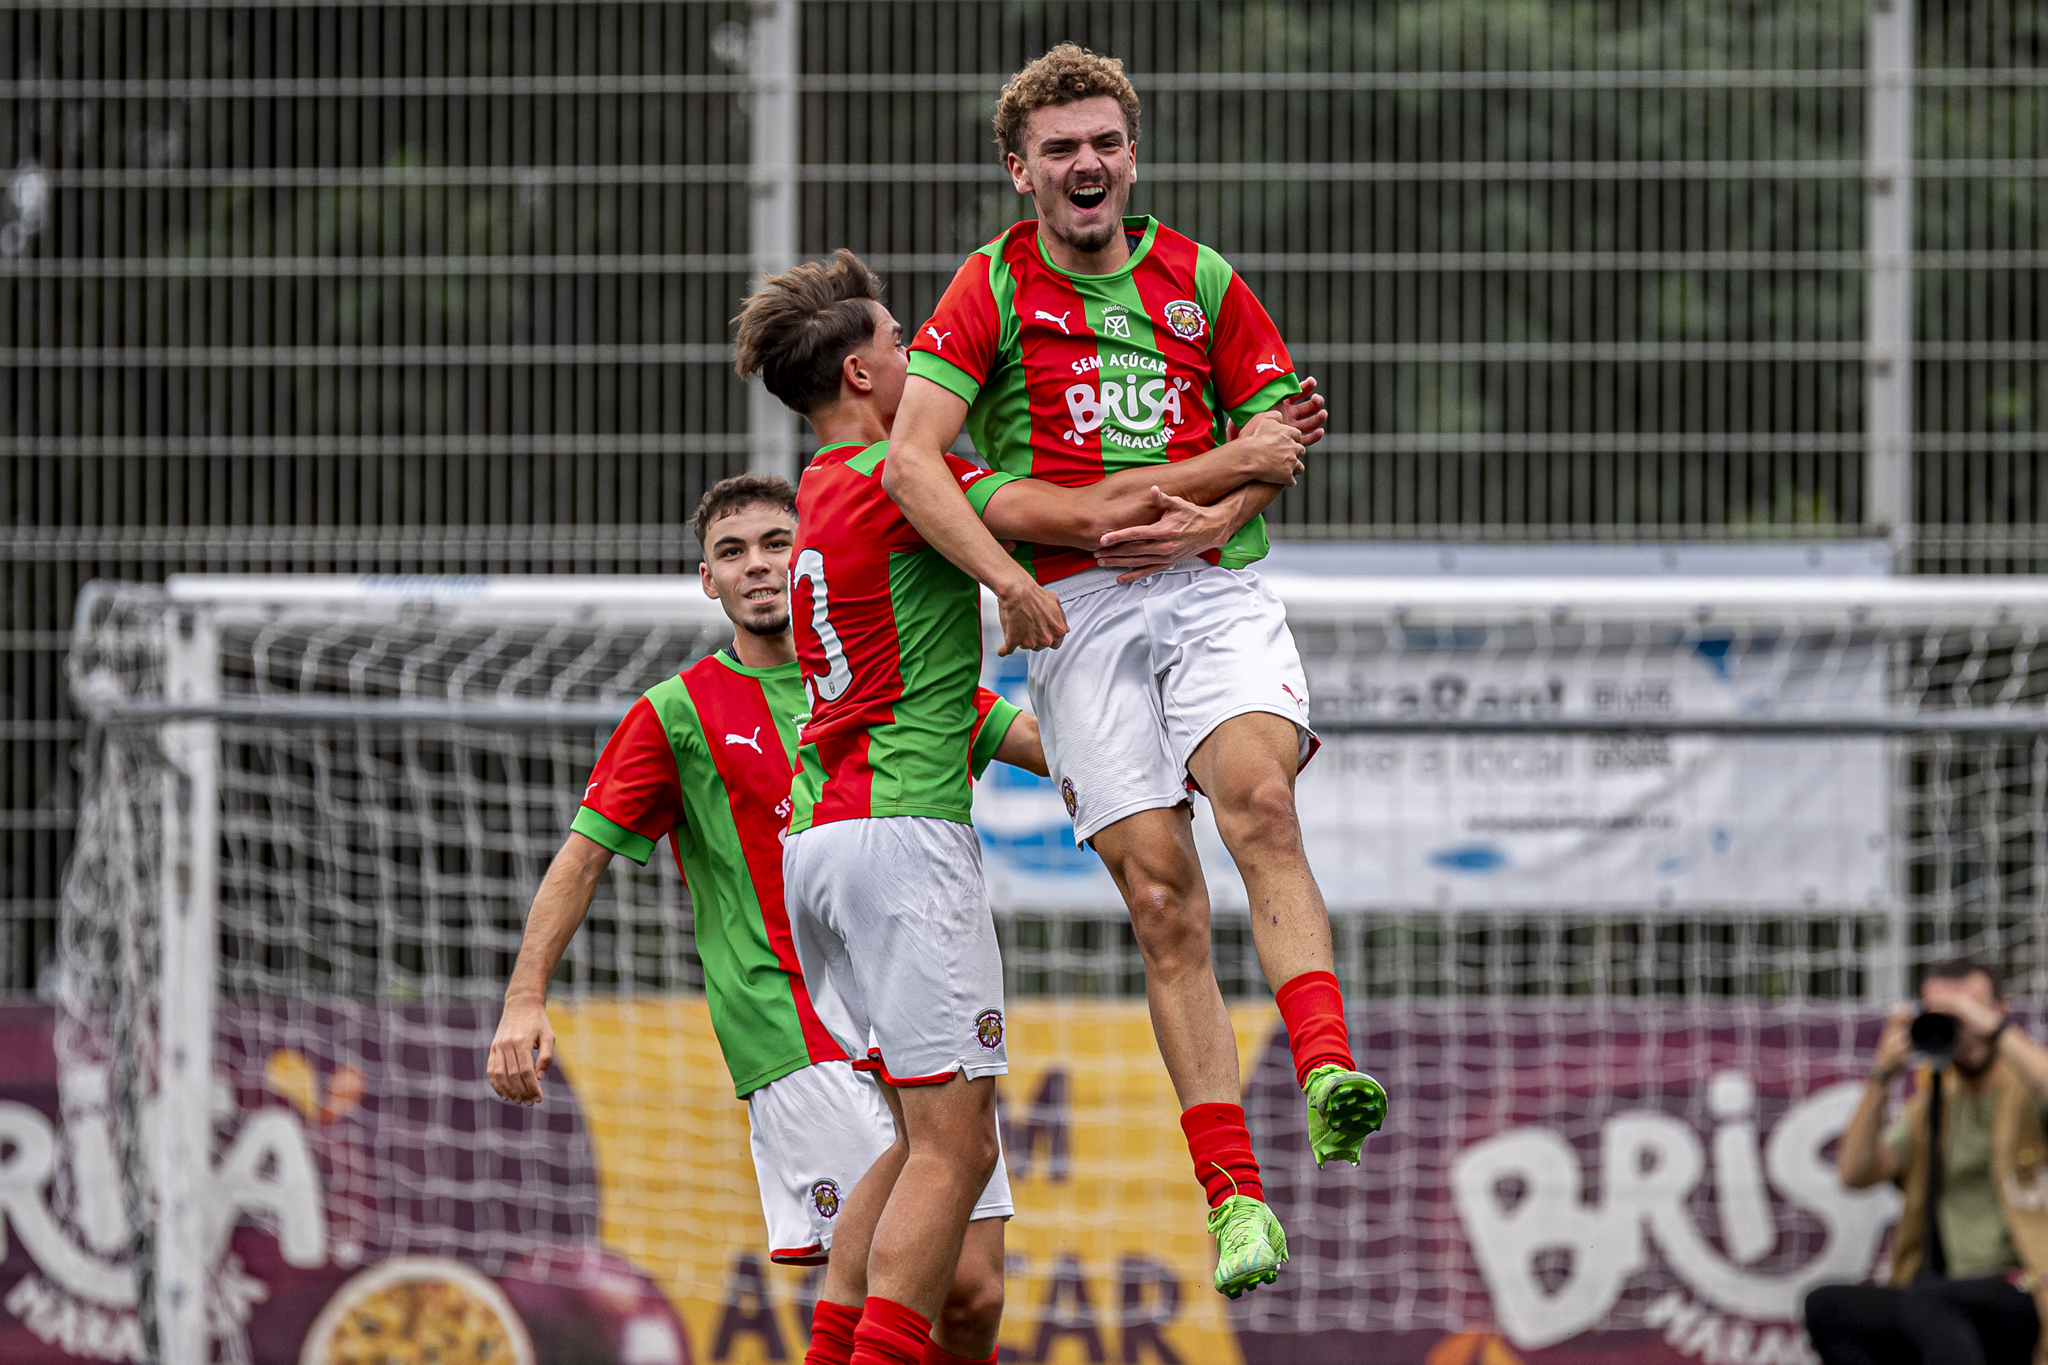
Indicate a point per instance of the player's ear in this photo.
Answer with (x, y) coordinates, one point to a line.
(1020, 172)
(704, 577)
(853, 372)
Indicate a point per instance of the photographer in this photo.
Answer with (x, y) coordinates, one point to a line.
(1970, 1252)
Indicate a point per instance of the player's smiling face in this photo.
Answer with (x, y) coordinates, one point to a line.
(746, 566)
(1079, 166)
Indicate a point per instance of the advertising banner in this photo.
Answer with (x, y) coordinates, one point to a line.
(1556, 1186)
(1538, 821)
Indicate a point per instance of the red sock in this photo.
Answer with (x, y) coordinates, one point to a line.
(832, 1327)
(935, 1354)
(1222, 1149)
(890, 1334)
(1313, 1009)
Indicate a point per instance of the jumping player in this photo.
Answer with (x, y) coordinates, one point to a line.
(705, 759)
(883, 871)
(1074, 347)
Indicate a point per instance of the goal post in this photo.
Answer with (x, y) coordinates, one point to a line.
(1570, 815)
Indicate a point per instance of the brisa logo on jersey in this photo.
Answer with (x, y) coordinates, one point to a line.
(1146, 411)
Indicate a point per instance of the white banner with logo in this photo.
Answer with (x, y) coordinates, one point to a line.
(1601, 821)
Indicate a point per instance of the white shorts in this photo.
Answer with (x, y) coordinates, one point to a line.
(815, 1133)
(1147, 670)
(892, 928)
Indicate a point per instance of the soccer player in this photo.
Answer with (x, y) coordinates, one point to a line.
(1074, 347)
(883, 871)
(705, 759)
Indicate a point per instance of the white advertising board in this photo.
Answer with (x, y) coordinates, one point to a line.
(1542, 821)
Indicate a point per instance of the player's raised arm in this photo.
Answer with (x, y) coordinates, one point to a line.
(917, 478)
(558, 910)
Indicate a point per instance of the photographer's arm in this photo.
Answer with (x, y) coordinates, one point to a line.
(2014, 1048)
(1864, 1159)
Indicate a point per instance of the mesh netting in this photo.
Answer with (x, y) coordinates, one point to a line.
(374, 875)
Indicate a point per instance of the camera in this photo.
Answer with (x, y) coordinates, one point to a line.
(1935, 1035)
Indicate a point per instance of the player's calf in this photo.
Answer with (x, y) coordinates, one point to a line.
(965, 1332)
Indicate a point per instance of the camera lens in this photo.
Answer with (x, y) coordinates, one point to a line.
(1935, 1034)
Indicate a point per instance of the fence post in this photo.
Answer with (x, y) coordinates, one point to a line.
(1888, 377)
(772, 428)
(182, 1145)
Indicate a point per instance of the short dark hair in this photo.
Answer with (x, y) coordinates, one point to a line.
(727, 496)
(1962, 969)
(797, 327)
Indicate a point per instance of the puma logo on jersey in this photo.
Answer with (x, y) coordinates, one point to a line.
(938, 338)
(752, 741)
(1299, 701)
(588, 790)
(1263, 365)
(1059, 318)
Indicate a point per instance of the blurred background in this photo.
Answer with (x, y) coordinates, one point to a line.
(1624, 289)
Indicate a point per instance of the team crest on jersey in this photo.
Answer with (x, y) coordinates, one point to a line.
(1067, 795)
(825, 1198)
(988, 1029)
(1187, 319)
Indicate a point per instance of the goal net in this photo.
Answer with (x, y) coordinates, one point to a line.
(1621, 873)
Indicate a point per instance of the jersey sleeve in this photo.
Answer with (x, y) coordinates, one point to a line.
(957, 348)
(1248, 359)
(635, 796)
(977, 483)
(993, 718)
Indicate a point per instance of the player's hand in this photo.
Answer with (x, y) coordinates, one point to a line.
(1270, 447)
(1031, 616)
(1183, 529)
(1894, 1045)
(1307, 412)
(523, 1029)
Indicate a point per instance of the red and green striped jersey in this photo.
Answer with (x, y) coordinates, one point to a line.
(705, 758)
(1070, 378)
(888, 633)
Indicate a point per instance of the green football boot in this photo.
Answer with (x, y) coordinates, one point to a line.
(1344, 1109)
(1250, 1245)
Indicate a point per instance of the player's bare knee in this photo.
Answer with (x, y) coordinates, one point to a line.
(1261, 818)
(1174, 943)
(980, 1152)
(974, 1305)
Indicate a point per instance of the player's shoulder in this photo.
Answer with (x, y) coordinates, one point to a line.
(1180, 254)
(668, 709)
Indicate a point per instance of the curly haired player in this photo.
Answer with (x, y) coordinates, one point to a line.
(1087, 346)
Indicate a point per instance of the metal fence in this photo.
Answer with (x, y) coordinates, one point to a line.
(445, 288)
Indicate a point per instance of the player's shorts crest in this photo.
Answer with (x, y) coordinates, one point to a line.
(988, 1029)
(1187, 319)
(1067, 795)
(825, 1198)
